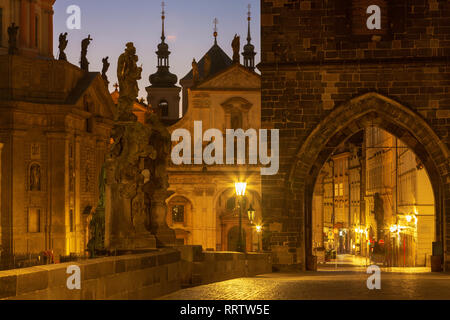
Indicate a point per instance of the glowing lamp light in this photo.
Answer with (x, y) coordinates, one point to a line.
(408, 218)
(240, 188)
(258, 229)
(251, 213)
(394, 228)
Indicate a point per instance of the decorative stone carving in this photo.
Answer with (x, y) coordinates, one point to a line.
(236, 45)
(35, 177)
(136, 179)
(35, 151)
(62, 46)
(195, 72)
(105, 69)
(84, 63)
(128, 73)
(12, 41)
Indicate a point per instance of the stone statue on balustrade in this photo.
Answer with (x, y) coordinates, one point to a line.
(84, 63)
(63, 42)
(128, 74)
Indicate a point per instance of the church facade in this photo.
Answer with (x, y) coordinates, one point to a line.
(221, 93)
(55, 122)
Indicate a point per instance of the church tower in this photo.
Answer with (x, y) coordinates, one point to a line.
(163, 93)
(249, 49)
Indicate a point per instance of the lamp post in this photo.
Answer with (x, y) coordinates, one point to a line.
(240, 192)
(251, 216)
(259, 230)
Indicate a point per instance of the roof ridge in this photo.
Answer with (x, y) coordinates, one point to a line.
(219, 61)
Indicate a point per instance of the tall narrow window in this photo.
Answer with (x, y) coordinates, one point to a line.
(164, 107)
(36, 31)
(71, 217)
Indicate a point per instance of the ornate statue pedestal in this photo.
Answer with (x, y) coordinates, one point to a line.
(164, 235)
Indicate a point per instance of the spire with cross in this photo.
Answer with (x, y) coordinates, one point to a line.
(163, 17)
(249, 49)
(163, 78)
(249, 37)
(215, 22)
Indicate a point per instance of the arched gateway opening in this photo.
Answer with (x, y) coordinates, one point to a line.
(346, 121)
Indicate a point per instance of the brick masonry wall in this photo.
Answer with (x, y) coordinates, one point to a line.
(312, 63)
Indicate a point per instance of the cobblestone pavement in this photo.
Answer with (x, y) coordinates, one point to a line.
(321, 285)
(342, 282)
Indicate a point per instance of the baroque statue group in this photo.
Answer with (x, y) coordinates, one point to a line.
(131, 214)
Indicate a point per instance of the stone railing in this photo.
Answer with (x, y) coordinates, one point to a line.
(135, 277)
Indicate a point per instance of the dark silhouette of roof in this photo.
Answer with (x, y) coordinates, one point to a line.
(219, 61)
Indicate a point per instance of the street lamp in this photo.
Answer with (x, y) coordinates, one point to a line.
(240, 192)
(251, 214)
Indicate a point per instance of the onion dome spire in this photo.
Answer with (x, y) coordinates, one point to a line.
(249, 49)
(163, 78)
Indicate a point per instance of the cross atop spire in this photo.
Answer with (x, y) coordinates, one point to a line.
(215, 22)
(249, 38)
(249, 49)
(163, 17)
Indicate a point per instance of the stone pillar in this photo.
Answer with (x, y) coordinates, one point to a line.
(32, 20)
(1, 235)
(58, 190)
(50, 32)
(23, 40)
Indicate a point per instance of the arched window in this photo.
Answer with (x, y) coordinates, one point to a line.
(231, 203)
(164, 107)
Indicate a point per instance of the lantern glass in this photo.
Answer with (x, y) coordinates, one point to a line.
(240, 188)
(251, 213)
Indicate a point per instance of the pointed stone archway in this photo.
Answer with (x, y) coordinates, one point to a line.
(370, 109)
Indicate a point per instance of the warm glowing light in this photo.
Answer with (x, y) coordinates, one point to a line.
(258, 229)
(240, 188)
(408, 218)
(357, 230)
(394, 228)
(354, 246)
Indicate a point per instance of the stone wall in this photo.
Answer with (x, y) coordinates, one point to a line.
(202, 267)
(135, 277)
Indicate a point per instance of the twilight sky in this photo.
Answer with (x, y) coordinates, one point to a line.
(189, 31)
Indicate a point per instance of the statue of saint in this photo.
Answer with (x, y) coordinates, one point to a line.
(35, 178)
(236, 45)
(128, 73)
(12, 41)
(84, 63)
(105, 69)
(207, 65)
(195, 74)
(62, 46)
